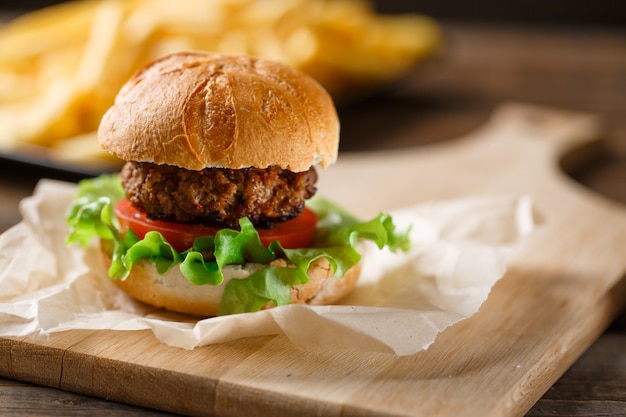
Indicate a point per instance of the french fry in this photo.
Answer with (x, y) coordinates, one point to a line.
(79, 151)
(45, 30)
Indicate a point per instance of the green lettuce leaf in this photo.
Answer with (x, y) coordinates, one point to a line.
(91, 216)
(268, 284)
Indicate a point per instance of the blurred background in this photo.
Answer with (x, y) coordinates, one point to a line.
(603, 12)
(584, 12)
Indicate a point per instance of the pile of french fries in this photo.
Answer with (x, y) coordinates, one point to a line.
(61, 67)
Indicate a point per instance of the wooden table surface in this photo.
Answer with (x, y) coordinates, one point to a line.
(581, 69)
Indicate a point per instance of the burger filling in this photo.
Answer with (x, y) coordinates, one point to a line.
(336, 233)
(218, 196)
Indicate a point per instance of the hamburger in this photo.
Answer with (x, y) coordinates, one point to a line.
(214, 211)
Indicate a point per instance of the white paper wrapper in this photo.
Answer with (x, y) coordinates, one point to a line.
(401, 303)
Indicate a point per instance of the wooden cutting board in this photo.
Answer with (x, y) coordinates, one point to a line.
(560, 292)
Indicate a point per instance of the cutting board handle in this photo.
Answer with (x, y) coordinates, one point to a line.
(566, 130)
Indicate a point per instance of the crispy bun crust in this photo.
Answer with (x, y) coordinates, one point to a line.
(202, 110)
(173, 292)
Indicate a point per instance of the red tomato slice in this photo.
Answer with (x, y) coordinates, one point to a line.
(292, 234)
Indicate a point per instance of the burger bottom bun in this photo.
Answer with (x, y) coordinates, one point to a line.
(173, 292)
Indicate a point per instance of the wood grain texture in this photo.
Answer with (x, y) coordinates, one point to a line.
(585, 398)
(563, 288)
(26, 400)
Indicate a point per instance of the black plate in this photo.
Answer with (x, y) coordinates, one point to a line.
(39, 165)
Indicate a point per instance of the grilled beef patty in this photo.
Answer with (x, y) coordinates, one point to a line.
(218, 196)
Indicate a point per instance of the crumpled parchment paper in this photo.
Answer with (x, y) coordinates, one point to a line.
(460, 250)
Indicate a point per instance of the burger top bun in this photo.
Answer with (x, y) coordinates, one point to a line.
(203, 110)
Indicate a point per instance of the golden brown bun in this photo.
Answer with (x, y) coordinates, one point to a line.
(198, 110)
(174, 292)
